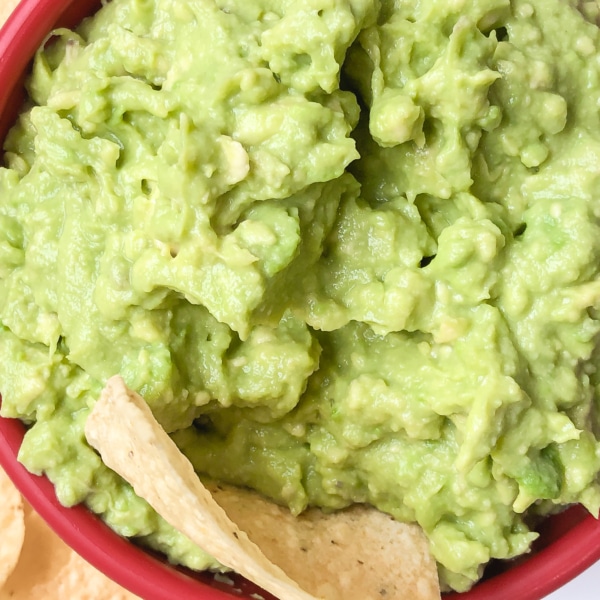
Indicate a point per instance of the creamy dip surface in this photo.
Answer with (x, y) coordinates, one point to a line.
(348, 251)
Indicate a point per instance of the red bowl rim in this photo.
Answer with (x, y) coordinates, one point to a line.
(129, 565)
(141, 572)
(153, 579)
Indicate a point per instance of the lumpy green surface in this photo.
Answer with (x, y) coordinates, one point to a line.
(348, 251)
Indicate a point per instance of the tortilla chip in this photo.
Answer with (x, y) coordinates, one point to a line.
(12, 526)
(132, 443)
(355, 553)
(6, 7)
(359, 552)
(49, 569)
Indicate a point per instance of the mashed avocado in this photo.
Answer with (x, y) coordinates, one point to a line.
(347, 251)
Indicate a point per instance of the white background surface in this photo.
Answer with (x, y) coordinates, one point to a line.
(585, 587)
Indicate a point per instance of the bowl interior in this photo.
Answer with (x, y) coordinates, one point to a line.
(568, 543)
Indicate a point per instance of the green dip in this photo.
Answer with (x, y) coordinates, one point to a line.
(348, 251)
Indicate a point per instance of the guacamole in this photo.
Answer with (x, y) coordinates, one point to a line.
(348, 252)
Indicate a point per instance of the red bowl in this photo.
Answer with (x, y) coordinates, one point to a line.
(569, 542)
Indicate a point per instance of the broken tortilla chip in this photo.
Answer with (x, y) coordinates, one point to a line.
(48, 569)
(359, 551)
(6, 8)
(12, 526)
(132, 443)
